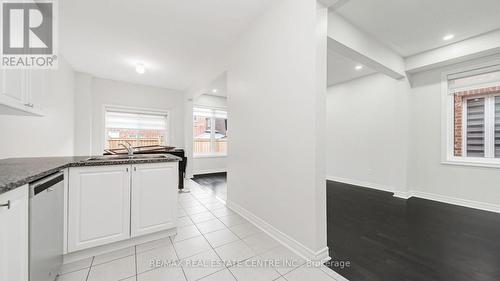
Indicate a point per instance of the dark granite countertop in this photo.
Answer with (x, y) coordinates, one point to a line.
(16, 172)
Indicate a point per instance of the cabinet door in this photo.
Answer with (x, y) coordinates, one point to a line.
(14, 221)
(14, 86)
(154, 197)
(36, 88)
(98, 206)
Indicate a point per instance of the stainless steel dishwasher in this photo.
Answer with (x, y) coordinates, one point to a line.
(46, 227)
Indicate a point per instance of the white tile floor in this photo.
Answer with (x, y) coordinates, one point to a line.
(212, 243)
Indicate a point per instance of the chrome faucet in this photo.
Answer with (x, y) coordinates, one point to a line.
(129, 148)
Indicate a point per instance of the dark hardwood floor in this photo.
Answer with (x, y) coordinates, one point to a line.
(216, 182)
(391, 239)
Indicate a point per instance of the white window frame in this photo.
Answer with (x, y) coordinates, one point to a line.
(448, 124)
(139, 110)
(212, 154)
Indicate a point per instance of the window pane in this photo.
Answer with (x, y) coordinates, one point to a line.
(136, 128)
(201, 133)
(220, 135)
(475, 127)
(497, 126)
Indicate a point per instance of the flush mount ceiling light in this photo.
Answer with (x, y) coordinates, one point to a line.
(358, 67)
(140, 68)
(214, 91)
(448, 37)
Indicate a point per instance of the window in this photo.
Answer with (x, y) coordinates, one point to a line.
(209, 131)
(137, 127)
(474, 129)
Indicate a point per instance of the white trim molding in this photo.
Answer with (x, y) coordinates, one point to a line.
(424, 195)
(457, 201)
(287, 241)
(201, 156)
(99, 250)
(362, 183)
(402, 194)
(210, 171)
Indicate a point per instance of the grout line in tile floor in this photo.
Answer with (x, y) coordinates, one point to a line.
(195, 199)
(136, 266)
(176, 255)
(90, 267)
(213, 249)
(195, 202)
(228, 228)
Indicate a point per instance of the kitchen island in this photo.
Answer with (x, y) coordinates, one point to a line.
(108, 203)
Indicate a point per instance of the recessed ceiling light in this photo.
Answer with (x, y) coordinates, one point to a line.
(214, 90)
(448, 37)
(140, 68)
(358, 67)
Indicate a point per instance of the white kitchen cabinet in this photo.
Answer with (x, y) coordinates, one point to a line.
(154, 198)
(107, 204)
(22, 91)
(14, 223)
(36, 89)
(98, 206)
(13, 85)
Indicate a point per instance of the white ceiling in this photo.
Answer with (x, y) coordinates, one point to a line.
(342, 69)
(172, 37)
(220, 85)
(414, 26)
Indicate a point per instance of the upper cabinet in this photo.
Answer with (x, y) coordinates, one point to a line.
(22, 91)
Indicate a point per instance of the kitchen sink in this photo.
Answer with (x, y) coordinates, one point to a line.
(127, 157)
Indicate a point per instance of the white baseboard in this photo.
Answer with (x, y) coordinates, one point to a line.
(457, 201)
(362, 183)
(424, 195)
(210, 171)
(83, 254)
(402, 194)
(287, 241)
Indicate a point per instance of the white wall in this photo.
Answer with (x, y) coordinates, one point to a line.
(50, 135)
(83, 114)
(428, 174)
(276, 110)
(356, 44)
(211, 101)
(210, 164)
(109, 92)
(366, 122)
(367, 135)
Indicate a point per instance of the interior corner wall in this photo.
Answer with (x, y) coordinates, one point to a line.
(462, 184)
(95, 93)
(273, 103)
(367, 132)
(371, 120)
(50, 134)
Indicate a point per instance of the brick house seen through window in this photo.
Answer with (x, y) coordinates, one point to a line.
(476, 115)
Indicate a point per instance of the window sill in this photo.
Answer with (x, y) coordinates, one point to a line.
(474, 162)
(210, 156)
